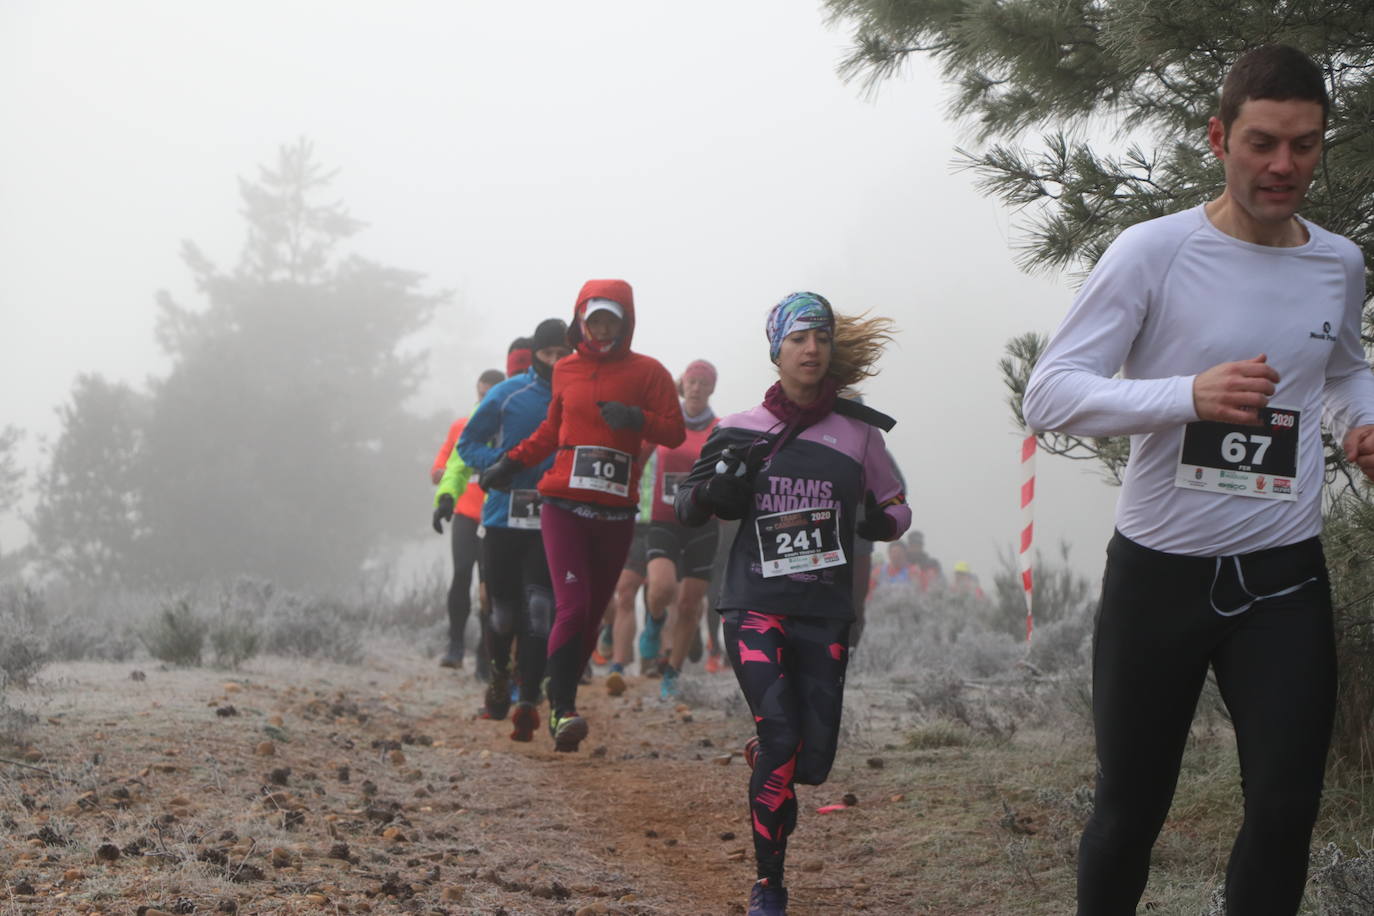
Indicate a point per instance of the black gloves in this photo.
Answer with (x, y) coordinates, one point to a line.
(729, 492)
(856, 631)
(621, 416)
(443, 512)
(499, 476)
(729, 496)
(877, 524)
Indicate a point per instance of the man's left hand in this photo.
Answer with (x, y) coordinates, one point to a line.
(1359, 449)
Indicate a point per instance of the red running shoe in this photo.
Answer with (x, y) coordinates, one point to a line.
(525, 722)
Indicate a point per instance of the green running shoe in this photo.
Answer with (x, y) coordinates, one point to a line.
(568, 731)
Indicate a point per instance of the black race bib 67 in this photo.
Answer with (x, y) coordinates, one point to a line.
(1258, 461)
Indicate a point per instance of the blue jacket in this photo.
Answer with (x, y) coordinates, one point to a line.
(507, 415)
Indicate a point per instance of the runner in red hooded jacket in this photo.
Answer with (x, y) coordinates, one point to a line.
(607, 402)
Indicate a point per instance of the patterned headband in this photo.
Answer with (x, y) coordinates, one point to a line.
(798, 312)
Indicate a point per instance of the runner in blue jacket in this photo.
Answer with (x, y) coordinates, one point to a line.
(512, 548)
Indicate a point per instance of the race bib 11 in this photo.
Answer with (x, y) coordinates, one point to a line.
(524, 509)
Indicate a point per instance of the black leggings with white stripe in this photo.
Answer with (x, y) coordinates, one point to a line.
(1164, 620)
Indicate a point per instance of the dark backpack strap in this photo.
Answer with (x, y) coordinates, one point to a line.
(865, 414)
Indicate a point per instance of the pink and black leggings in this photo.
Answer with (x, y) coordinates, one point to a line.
(791, 670)
(585, 558)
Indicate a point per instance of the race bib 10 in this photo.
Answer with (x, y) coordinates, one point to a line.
(597, 467)
(1233, 460)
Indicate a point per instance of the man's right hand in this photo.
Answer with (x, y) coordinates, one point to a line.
(443, 512)
(1234, 392)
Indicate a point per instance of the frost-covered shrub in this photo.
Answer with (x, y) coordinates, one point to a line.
(247, 596)
(981, 654)
(234, 639)
(236, 632)
(23, 643)
(75, 636)
(314, 627)
(176, 634)
(419, 606)
(1062, 645)
(1342, 886)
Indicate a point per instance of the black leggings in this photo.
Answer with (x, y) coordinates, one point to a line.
(1163, 621)
(465, 544)
(791, 670)
(521, 603)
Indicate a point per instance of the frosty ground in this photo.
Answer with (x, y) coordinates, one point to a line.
(306, 785)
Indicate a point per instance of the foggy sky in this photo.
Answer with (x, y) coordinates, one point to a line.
(705, 152)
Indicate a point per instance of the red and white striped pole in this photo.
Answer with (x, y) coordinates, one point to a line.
(1028, 447)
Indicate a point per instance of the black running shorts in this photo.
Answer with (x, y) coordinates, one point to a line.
(636, 561)
(692, 550)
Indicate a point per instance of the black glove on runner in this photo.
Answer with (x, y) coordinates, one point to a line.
(443, 512)
(729, 495)
(621, 416)
(499, 475)
(877, 524)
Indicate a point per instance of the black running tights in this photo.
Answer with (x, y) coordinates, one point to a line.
(1163, 621)
(521, 604)
(465, 544)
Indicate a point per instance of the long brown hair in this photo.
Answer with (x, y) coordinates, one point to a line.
(856, 345)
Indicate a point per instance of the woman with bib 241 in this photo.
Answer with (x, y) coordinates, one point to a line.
(805, 472)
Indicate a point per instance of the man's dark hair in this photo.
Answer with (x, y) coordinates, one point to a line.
(491, 377)
(1276, 72)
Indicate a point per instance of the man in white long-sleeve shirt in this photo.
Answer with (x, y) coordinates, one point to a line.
(1234, 328)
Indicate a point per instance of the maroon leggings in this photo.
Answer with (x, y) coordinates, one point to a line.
(585, 558)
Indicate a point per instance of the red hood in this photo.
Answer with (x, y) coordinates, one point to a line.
(617, 291)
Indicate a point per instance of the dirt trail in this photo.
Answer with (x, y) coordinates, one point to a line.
(305, 787)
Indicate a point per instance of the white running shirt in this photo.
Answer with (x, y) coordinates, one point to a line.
(1172, 297)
